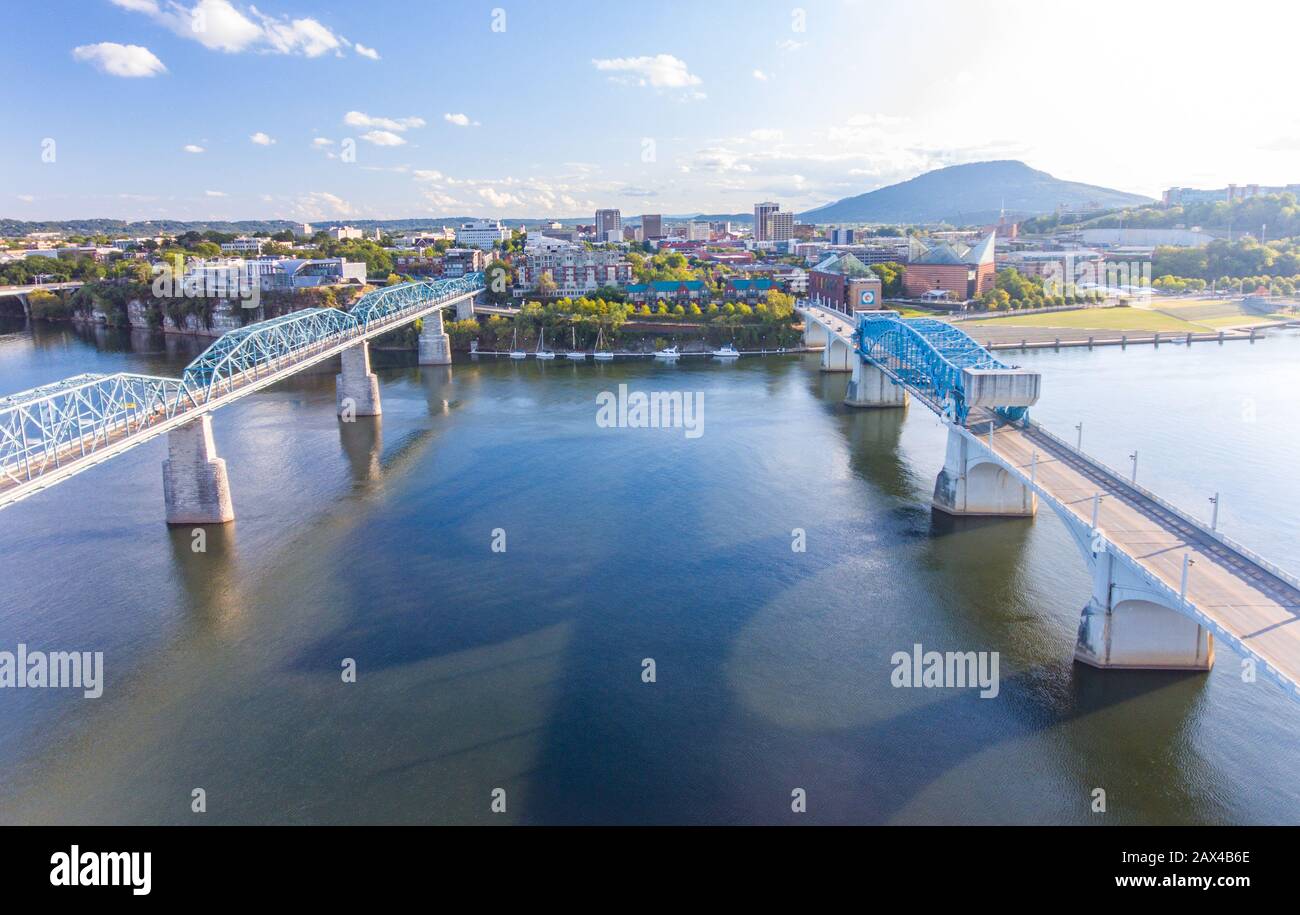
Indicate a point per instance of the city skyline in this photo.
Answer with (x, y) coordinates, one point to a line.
(447, 112)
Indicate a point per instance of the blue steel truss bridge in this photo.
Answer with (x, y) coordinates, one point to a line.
(56, 431)
(1166, 585)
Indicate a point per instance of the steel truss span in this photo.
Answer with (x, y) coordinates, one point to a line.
(928, 356)
(52, 432)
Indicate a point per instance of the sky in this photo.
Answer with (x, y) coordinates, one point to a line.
(324, 111)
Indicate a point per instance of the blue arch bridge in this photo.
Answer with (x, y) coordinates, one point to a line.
(1165, 584)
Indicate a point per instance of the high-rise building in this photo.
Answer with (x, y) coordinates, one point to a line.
(762, 219)
(608, 221)
(697, 231)
(481, 233)
(652, 226)
(780, 226)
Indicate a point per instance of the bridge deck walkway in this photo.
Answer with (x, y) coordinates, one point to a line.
(1253, 605)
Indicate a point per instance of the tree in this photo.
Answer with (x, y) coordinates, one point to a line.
(546, 286)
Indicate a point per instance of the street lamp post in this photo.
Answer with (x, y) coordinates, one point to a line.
(1079, 428)
(1214, 514)
(1133, 456)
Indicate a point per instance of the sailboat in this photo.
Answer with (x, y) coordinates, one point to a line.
(670, 353)
(515, 351)
(542, 351)
(601, 355)
(575, 355)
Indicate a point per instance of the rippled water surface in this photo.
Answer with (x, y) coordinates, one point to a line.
(523, 670)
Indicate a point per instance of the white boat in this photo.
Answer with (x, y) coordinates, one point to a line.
(601, 355)
(515, 351)
(727, 352)
(542, 351)
(575, 355)
(669, 353)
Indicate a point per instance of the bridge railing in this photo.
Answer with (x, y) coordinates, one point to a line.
(47, 426)
(1192, 521)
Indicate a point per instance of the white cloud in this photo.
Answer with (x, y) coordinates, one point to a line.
(767, 134)
(137, 6)
(365, 52)
(322, 141)
(193, 148)
(662, 71)
(321, 204)
(360, 119)
(262, 139)
(130, 60)
(26, 198)
(383, 138)
(790, 44)
(760, 76)
(219, 25)
(215, 194)
(460, 120)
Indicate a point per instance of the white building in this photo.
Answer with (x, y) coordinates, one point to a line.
(344, 233)
(575, 270)
(481, 233)
(244, 245)
(233, 277)
(780, 227)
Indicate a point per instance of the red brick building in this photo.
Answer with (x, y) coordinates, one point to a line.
(844, 283)
(961, 272)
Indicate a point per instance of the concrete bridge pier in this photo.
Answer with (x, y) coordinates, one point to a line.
(196, 489)
(814, 334)
(972, 483)
(435, 345)
(871, 387)
(1126, 624)
(465, 307)
(838, 356)
(356, 387)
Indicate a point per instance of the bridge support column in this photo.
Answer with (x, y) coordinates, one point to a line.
(196, 489)
(971, 484)
(838, 356)
(465, 308)
(1120, 629)
(435, 346)
(870, 387)
(356, 387)
(814, 334)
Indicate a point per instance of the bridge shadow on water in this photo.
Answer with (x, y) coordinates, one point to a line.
(607, 748)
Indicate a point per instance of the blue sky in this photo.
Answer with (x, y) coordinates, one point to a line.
(198, 109)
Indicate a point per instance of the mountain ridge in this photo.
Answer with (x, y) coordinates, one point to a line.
(970, 193)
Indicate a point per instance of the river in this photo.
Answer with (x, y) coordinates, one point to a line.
(523, 669)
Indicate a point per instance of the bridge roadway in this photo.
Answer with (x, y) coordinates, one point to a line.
(30, 468)
(1240, 597)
